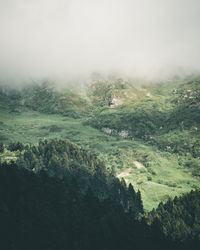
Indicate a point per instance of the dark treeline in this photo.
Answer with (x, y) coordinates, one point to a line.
(62, 159)
(179, 219)
(59, 196)
(42, 212)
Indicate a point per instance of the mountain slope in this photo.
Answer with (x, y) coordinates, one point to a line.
(151, 124)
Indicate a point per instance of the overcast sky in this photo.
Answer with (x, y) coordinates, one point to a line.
(47, 38)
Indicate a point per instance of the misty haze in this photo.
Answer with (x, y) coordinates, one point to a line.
(50, 38)
(99, 124)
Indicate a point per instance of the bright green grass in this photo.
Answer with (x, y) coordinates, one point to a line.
(160, 177)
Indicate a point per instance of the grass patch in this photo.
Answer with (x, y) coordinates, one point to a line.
(169, 168)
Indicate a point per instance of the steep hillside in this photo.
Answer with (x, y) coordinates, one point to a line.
(66, 161)
(42, 212)
(166, 116)
(145, 133)
(45, 98)
(179, 218)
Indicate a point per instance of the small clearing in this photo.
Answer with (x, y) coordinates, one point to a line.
(148, 95)
(138, 164)
(124, 174)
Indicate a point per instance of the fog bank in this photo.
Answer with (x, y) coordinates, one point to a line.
(73, 38)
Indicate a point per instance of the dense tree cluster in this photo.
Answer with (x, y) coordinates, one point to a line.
(38, 212)
(14, 146)
(59, 196)
(141, 120)
(1, 147)
(185, 114)
(172, 125)
(45, 98)
(62, 159)
(179, 219)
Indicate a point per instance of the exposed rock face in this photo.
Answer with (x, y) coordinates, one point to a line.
(115, 102)
(107, 130)
(122, 133)
(149, 95)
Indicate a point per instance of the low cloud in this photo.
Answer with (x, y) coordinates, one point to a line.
(73, 38)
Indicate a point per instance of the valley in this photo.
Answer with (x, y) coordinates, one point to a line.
(149, 137)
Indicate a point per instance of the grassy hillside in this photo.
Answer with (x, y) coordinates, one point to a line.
(45, 98)
(147, 133)
(167, 116)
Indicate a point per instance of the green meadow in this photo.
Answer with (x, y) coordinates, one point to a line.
(159, 177)
(160, 154)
